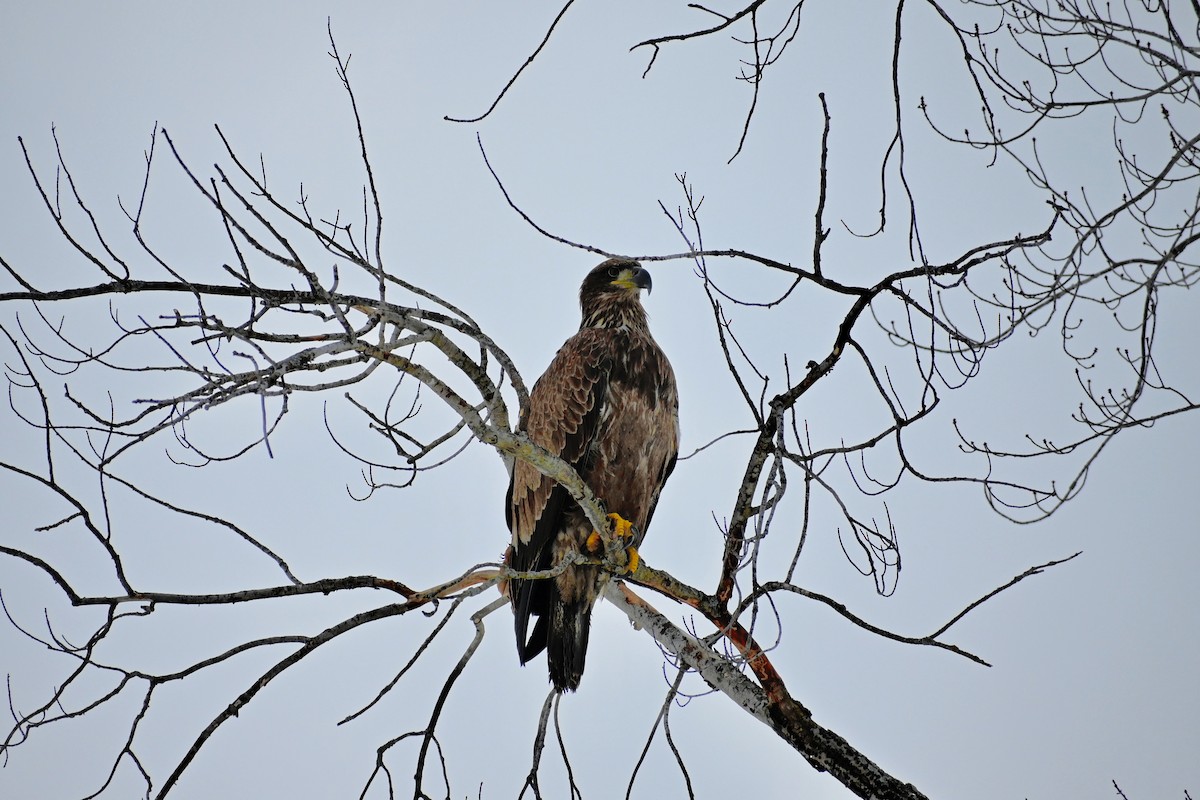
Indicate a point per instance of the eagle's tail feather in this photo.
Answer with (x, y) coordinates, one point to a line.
(536, 642)
(566, 644)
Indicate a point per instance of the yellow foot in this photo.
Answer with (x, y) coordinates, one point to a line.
(621, 526)
(634, 560)
(594, 544)
(624, 529)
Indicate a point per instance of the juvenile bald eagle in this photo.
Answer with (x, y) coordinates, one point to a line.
(607, 405)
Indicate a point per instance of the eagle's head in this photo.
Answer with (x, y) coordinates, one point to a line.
(609, 295)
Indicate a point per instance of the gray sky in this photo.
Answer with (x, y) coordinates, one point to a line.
(1094, 662)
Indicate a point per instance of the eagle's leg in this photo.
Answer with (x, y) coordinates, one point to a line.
(623, 529)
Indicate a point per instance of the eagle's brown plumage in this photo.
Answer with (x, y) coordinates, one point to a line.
(607, 405)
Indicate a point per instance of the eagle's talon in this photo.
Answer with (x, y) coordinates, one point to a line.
(624, 529)
(621, 526)
(594, 544)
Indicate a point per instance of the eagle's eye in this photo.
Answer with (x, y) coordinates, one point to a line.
(614, 272)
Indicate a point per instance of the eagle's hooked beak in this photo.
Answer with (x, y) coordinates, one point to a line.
(634, 278)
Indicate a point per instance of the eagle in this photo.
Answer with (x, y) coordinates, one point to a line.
(607, 405)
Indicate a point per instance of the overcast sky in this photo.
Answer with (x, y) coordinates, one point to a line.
(1094, 662)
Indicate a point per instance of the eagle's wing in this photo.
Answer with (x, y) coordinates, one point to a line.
(667, 469)
(563, 416)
